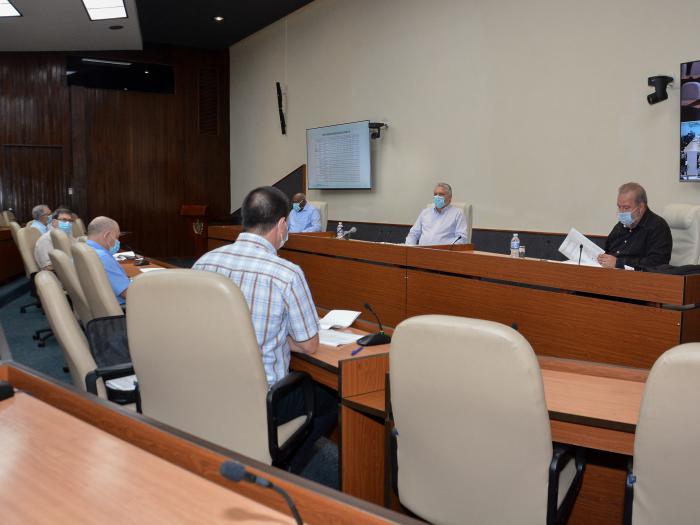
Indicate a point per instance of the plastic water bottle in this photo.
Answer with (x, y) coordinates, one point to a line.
(515, 246)
(339, 230)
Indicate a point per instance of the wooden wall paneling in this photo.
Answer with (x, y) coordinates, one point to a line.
(362, 455)
(601, 500)
(363, 374)
(343, 284)
(690, 326)
(559, 324)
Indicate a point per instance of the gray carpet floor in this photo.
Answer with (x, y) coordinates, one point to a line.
(19, 327)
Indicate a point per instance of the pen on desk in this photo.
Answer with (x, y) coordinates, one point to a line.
(357, 350)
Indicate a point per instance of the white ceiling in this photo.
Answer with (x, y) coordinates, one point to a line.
(64, 25)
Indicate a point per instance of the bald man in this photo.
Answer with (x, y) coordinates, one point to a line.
(103, 237)
(303, 217)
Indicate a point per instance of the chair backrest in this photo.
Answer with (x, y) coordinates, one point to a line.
(684, 221)
(94, 282)
(322, 208)
(60, 241)
(195, 353)
(474, 442)
(26, 240)
(14, 228)
(66, 329)
(468, 215)
(79, 228)
(65, 269)
(6, 217)
(690, 91)
(666, 440)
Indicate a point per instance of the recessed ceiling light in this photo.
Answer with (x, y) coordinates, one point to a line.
(218, 18)
(7, 9)
(105, 9)
(146, 71)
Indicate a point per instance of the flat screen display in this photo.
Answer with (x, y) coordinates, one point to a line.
(690, 122)
(338, 157)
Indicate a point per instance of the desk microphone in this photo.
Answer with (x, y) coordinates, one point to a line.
(234, 471)
(458, 238)
(379, 338)
(580, 252)
(348, 232)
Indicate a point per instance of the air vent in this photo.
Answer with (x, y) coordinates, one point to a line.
(209, 101)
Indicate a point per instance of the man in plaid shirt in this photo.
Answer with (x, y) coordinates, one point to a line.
(280, 303)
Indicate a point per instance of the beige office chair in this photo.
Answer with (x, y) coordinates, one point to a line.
(468, 215)
(195, 353)
(690, 91)
(79, 228)
(93, 280)
(65, 269)
(26, 240)
(76, 351)
(322, 208)
(662, 487)
(473, 432)
(684, 221)
(60, 241)
(14, 228)
(6, 217)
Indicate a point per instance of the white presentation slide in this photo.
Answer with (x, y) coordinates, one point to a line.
(337, 157)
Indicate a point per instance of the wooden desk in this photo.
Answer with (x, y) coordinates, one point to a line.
(10, 261)
(133, 271)
(91, 457)
(584, 313)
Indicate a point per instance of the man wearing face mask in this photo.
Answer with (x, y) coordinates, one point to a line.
(640, 238)
(283, 312)
(103, 237)
(441, 224)
(304, 217)
(62, 220)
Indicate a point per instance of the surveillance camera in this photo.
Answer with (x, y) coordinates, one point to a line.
(659, 83)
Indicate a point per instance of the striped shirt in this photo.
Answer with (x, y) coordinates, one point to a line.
(277, 294)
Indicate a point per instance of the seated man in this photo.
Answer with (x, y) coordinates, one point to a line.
(41, 214)
(303, 217)
(441, 224)
(63, 220)
(282, 310)
(103, 237)
(640, 238)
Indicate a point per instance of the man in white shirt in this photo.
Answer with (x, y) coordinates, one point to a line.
(63, 220)
(442, 224)
(303, 217)
(41, 214)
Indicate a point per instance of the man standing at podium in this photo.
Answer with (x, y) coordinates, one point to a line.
(440, 224)
(303, 217)
(640, 238)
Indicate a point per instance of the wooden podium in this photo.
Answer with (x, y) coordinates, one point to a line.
(197, 226)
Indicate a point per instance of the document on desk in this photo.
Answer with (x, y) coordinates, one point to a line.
(576, 244)
(124, 384)
(146, 270)
(334, 338)
(339, 319)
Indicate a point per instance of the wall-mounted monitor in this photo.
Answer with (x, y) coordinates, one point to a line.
(690, 122)
(338, 157)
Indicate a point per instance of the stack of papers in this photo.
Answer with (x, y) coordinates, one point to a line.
(578, 245)
(333, 338)
(144, 270)
(124, 384)
(124, 255)
(339, 319)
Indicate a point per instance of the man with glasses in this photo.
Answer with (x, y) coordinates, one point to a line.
(640, 238)
(103, 237)
(41, 214)
(62, 220)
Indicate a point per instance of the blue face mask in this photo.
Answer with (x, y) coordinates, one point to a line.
(296, 206)
(625, 217)
(66, 227)
(115, 247)
(439, 201)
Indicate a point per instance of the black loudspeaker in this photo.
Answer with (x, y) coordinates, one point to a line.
(280, 108)
(659, 83)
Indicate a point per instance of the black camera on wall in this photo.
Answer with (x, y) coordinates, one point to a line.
(660, 83)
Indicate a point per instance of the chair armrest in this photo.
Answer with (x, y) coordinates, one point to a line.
(629, 493)
(107, 372)
(561, 455)
(293, 380)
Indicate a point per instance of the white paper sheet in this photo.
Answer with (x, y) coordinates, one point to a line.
(571, 248)
(125, 255)
(333, 338)
(339, 319)
(125, 384)
(144, 270)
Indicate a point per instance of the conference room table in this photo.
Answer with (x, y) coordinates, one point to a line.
(70, 457)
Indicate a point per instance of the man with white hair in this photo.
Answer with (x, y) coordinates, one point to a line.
(41, 214)
(441, 224)
(103, 237)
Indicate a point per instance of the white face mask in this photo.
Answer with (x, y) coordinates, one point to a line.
(285, 238)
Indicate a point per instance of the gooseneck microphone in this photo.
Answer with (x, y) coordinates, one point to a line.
(458, 238)
(348, 232)
(580, 252)
(234, 471)
(379, 338)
